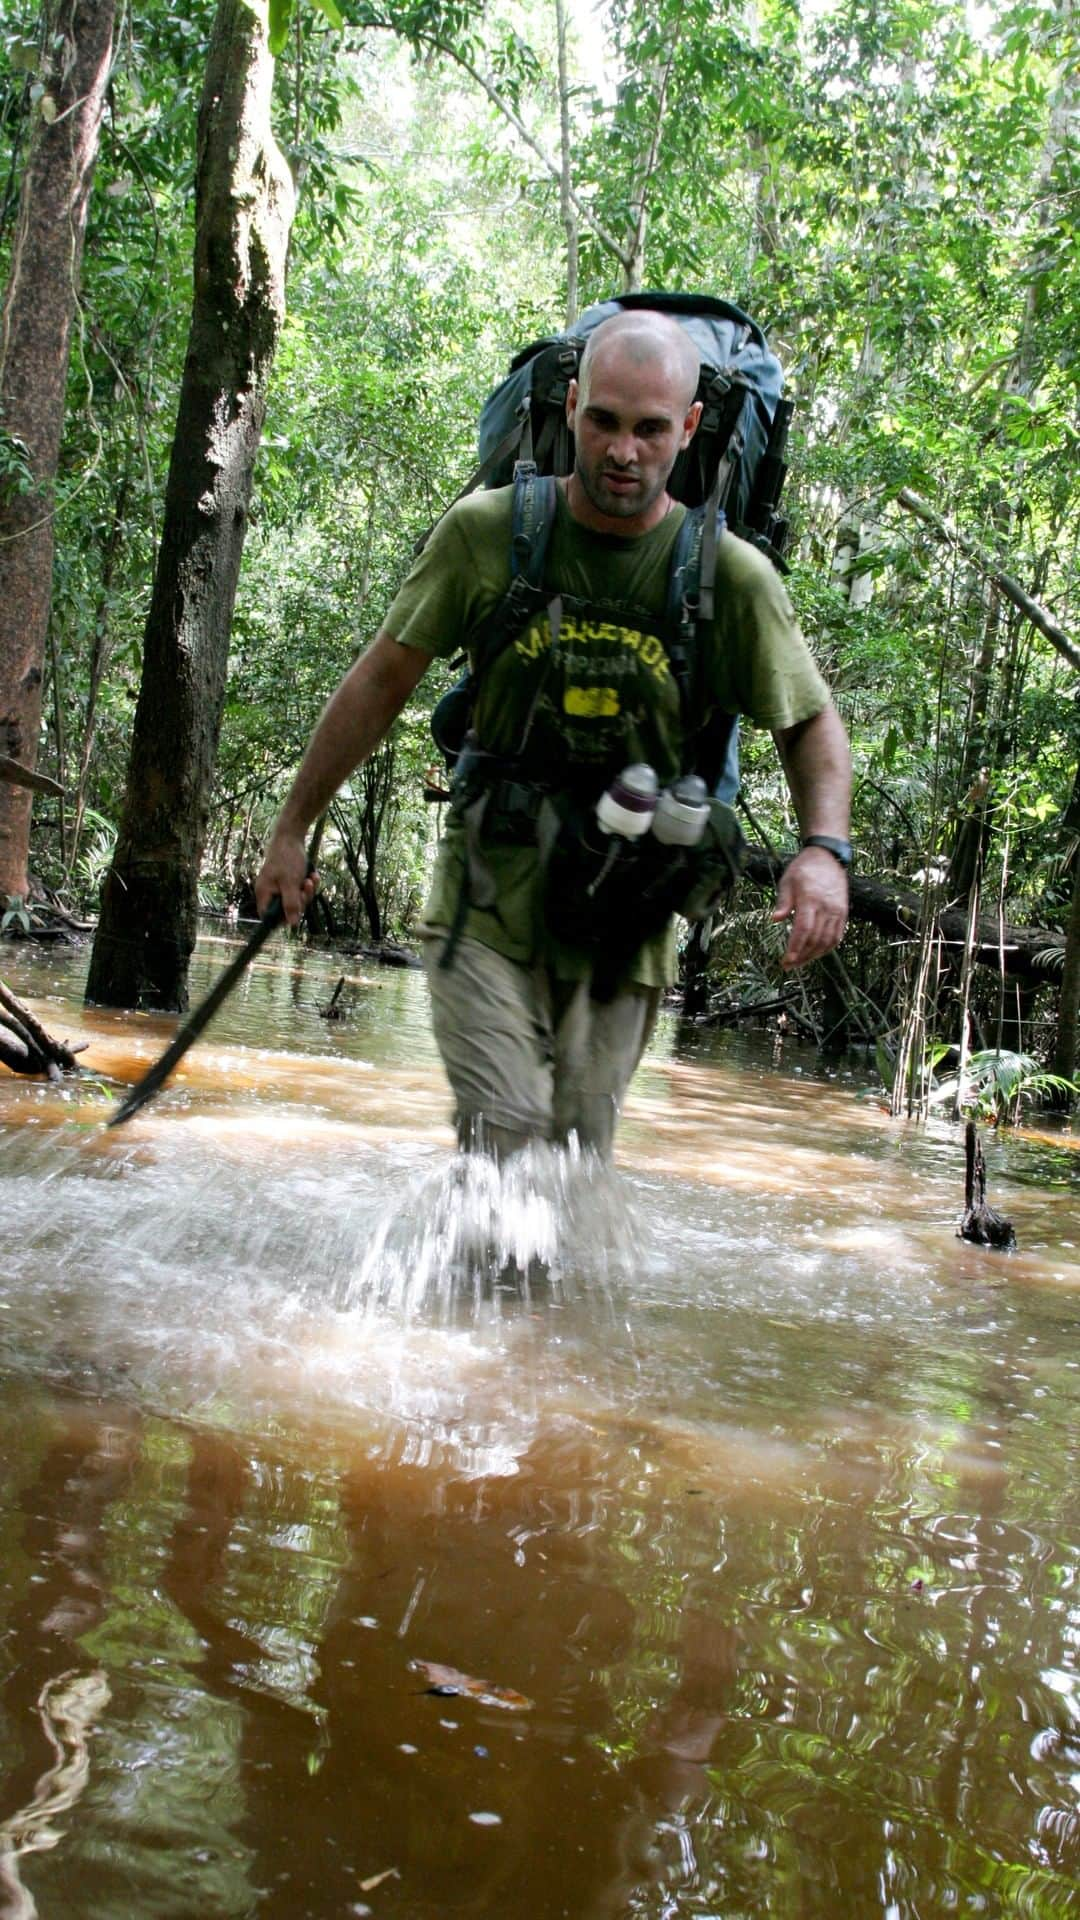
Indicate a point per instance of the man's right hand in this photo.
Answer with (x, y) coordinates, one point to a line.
(284, 871)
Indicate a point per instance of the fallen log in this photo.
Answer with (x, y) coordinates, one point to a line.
(52, 910)
(1025, 953)
(728, 1013)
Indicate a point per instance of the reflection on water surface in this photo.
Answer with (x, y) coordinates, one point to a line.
(763, 1497)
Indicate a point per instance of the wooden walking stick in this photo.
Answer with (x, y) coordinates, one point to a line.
(152, 1081)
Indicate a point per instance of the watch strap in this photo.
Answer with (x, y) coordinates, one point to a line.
(840, 849)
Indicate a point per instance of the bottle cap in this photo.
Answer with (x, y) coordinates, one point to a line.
(682, 812)
(628, 806)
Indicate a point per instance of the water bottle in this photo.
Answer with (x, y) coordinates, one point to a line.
(682, 812)
(628, 806)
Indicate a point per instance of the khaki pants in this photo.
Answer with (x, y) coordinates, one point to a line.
(530, 1057)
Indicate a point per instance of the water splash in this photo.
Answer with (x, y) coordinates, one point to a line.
(476, 1237)
(234, 1279)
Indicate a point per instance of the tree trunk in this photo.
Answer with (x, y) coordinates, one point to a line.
(967, 859)
(99, 657)
(244, 202)
(1069, 1004)
(378, 783)
(634, 256)
(567, 210)
(35, 345)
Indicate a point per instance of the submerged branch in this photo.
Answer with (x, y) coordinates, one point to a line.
(25, 1046)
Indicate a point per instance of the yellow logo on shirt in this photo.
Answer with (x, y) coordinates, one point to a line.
(591, 703)
(597, 638)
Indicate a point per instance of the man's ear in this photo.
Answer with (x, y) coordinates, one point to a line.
(572, 392)
(690, 424)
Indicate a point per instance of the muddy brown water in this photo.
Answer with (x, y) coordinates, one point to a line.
(748, 1535)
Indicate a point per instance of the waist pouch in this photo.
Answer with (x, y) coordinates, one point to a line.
(607, 896)
(451, 717)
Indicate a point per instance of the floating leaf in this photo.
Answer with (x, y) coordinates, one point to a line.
(448, 1680)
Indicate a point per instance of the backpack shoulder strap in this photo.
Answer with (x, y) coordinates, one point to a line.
(713, 745)
(691, 605)
(679, 621)
(690, 596)
(713, 524)
(531, 520)
(532, 517)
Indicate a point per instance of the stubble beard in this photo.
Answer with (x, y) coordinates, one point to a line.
(618, 506)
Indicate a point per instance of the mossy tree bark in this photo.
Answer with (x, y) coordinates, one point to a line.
(35, 346)
(244, 206)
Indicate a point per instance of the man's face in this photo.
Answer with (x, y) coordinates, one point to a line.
(629, 426)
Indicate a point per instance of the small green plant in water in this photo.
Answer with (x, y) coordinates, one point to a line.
(997, 1085)
(97, 854)
(920, 1072)
(16, 915)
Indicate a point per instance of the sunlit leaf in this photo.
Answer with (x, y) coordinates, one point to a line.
(280, 16)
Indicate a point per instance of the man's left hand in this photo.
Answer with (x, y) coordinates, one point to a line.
(813, 895)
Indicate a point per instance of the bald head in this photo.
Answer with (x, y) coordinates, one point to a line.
(631, 410)
(651, 343)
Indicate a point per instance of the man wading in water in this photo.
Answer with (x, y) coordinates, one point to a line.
(541, 1018)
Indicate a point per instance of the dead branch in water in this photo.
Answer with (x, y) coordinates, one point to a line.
(980, 1223)
(26, 1046)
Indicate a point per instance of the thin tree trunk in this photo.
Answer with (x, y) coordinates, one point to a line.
(241, 858)
(634, 260)
(966, 859)
(1069, 1004)
(99, 656)
(244, 204)
(61, 738)
(567, 209)
(605, 239)
(1039, 616)
(35, 347)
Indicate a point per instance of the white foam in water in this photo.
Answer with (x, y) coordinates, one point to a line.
(255, 1276)
(183, 1274)
(475, 1233)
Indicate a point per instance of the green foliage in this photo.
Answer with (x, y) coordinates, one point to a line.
(96, 852)
(281, 12)
(16, 475)
(15, 917)
(997, 1085)
(889, 189)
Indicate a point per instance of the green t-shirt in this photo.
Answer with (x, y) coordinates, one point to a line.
(603, 694)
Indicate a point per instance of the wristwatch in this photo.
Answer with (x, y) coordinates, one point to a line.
(840, 849)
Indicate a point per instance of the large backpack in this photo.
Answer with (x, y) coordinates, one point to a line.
(737, 453)
(733, 469)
